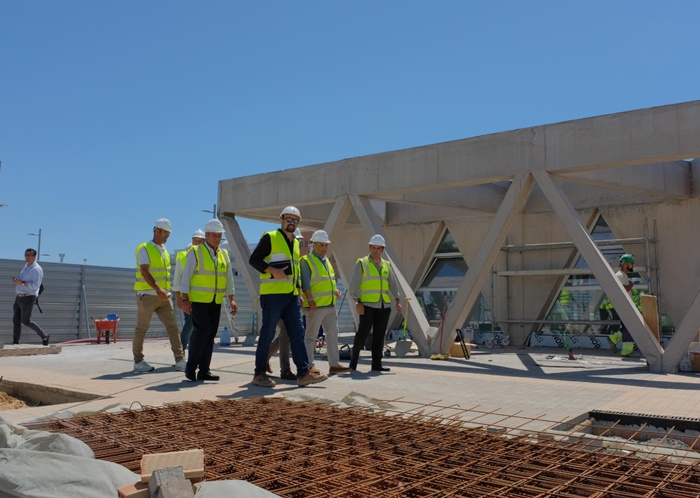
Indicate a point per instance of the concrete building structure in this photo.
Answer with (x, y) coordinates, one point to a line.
(520, 207)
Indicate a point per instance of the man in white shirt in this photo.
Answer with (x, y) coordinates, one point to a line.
(153, 295)
(27, 290)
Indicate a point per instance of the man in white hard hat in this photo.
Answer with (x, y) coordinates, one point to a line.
(318, 284)
(277, 257)
(372, 284)
(187, 327)
(153, 295)
(281, 341)
(206, 278)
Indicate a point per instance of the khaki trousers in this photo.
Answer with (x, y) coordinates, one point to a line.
(146, 306)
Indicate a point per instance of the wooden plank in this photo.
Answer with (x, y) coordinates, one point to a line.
(650, 313)
(191, 461)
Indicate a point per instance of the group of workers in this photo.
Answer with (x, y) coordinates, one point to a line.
(291, 287)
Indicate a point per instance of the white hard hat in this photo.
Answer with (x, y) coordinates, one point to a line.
(290, 210)
(163, 224)
(320, 236)
(199, 233)
(214, 226)
(377, 240)
(297, 234)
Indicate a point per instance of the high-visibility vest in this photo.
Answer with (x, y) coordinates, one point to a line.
(374, 284)
(280, 253)
(159, 268)
(565, 297)
(209, 278)
(323, 286)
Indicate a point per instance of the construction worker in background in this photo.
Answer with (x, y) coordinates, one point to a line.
(153, 295)
(277, 257)
(372, 283)
(623, 336)
(187, 327)
(319, 287)
(206, 278)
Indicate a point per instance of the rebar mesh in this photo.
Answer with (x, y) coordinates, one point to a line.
(301, 449)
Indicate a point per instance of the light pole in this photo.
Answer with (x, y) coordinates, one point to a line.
(38, 249)
(61, 255)
(213, 212)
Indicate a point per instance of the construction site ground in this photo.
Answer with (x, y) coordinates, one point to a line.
(439, 412)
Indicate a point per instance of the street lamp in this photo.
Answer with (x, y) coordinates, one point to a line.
(213, 212)
(61, 255)
(38, 249)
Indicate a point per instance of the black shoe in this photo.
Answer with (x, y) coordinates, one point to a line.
(207, 376)
(15, 342)
(381, 369)
(190, 375)
(352, 366)
(45, 340)
(288, 376)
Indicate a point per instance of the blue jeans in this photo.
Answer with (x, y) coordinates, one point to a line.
(186, 332)
(285, 307)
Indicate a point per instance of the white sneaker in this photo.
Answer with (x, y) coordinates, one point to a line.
(180, 365)
(142, 367)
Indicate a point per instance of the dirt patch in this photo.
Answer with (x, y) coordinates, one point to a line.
(7, 402)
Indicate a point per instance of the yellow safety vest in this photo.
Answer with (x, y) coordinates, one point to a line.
(374, 284)
(209, 278)
(280, 254)
(323, 286)
(159, 268)
(180, 259)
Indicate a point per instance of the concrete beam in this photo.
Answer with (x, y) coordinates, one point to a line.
(686, 332)
(480, 268)
(241, 253)
(603, 272)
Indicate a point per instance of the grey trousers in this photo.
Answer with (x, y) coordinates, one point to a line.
(23, 316)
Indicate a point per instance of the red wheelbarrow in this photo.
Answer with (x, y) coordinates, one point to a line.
(105, 326)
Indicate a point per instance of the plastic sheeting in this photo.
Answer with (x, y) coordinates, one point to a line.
(40, 464)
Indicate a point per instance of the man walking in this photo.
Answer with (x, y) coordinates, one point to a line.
(27, 290)
(206, 278)
(276, 257)
(319, 286)
(187, 327)
(372, 282)
(153, 295)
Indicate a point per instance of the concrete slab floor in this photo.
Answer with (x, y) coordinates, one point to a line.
(533, 382)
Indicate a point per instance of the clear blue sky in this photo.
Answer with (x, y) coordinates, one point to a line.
(115, 113)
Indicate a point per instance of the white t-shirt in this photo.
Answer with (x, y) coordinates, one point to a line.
(624, 279)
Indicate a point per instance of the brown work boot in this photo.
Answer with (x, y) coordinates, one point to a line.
(263, 380)
(338, 369)
(314, 369)
(311, 378)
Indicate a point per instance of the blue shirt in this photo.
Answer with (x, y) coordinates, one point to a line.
(32, 275)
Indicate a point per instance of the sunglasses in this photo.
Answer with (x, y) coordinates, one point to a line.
(292, 220)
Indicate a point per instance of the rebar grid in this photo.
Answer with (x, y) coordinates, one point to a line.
(301, 449)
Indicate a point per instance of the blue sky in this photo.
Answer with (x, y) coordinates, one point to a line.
(116, 113)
